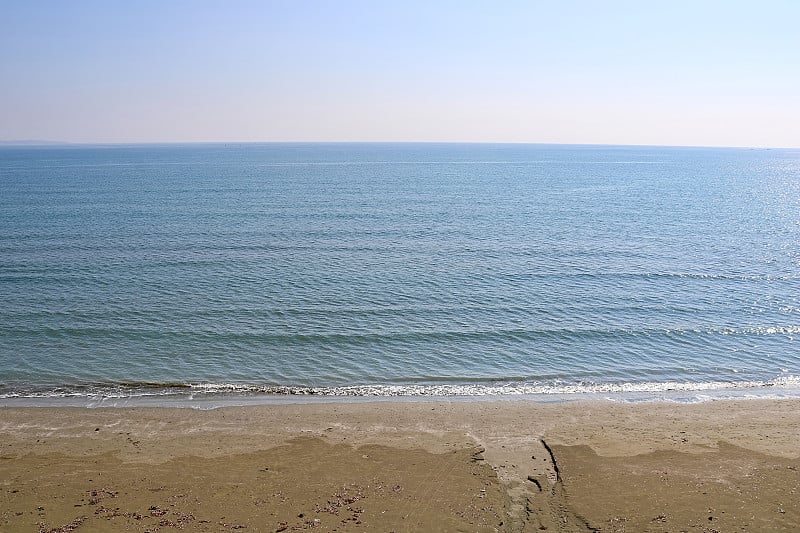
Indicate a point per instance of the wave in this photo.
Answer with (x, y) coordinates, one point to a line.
(158, 332)
(785, 385)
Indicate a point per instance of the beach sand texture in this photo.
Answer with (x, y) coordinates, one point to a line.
(404, 466)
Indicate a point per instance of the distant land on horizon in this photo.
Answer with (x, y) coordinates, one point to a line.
(31, 142)
(39, 142)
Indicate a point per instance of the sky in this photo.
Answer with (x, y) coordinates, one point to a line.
(671, 72)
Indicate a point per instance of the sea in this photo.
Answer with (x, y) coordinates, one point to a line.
(217, 274)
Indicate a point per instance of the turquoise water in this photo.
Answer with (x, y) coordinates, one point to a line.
(396, 269)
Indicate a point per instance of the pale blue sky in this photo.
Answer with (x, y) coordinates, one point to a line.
(721, 73)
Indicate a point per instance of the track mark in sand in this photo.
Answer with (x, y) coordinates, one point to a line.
(544, 471)
(548, 507)
(552, 459)
(535, 482)
(532, 478)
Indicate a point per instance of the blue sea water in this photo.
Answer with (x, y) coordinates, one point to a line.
(396, 269)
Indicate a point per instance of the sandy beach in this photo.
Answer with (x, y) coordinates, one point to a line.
(404, 466)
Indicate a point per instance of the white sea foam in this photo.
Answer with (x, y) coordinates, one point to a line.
(509, 389)
(783, 386)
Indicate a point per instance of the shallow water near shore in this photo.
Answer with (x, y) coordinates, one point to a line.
(390, 270)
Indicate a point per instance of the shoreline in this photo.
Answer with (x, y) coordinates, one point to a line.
(477, 466)
(213, 396)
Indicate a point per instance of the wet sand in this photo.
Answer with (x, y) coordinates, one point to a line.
(404, 466)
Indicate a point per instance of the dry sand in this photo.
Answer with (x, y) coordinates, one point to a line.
(404, 466)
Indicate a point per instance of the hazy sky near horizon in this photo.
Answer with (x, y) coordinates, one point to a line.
(717, 73)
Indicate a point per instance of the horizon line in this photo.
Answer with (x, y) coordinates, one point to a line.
(21, 143)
